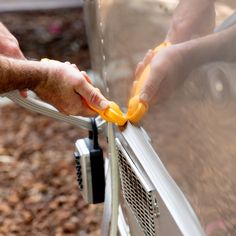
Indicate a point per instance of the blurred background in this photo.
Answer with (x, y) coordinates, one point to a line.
(38, 189)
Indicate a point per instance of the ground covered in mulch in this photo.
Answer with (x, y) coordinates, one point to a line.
(39, 193)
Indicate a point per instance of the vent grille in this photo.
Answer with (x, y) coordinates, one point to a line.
(137, 198)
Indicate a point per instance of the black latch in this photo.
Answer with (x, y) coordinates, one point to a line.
(90, 167)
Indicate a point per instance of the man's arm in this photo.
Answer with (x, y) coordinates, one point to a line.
(19, 74)
(59, 84)
(62, 85)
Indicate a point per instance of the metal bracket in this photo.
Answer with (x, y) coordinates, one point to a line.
(48, 110)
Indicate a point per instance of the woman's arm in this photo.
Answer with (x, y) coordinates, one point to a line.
(170, 67)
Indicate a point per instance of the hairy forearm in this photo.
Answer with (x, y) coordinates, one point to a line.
(19, 74)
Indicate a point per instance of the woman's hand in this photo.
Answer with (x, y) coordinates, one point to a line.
(169, 68)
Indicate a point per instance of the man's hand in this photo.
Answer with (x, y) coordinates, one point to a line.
(69, 90)
(192, 18)
(60, 84)
(9, 45)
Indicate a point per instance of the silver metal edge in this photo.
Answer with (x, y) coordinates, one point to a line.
(170, 193)
(122, 225)
(48, 110)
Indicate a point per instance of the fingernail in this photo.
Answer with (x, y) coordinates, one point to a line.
(104, 104)
(144, 97)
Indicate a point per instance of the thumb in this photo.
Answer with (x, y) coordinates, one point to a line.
(92, 95)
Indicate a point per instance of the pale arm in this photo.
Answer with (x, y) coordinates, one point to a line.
(170, 67)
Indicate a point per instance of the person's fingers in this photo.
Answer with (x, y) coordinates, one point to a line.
(133, 89)
(11, 49)
(18, 55)
(83, 111)
(69, 63)
(66, 89)
(75, 66)
(151, 85)
(87, 111)
(81, 108)
(139, 70)
(98, 90)
(148, 57)
(91, 95)
(61, 110)
(141, 65)
(14, 52)
(86, 76)
(23, 93)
